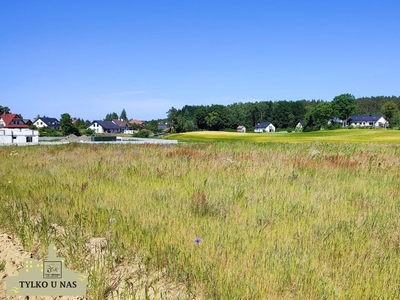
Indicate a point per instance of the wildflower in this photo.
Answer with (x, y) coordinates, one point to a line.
(112, 220)
(197, 240)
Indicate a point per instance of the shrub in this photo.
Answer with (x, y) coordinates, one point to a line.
(142, 134)
(89, 131)
(289, 130)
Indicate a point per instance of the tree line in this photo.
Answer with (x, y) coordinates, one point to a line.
(283, 114)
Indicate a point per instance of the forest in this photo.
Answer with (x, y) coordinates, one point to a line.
(283, 114)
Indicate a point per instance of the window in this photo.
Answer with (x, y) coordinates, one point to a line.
(29, 139)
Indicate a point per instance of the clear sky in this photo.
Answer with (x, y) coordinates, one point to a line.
(90, 58)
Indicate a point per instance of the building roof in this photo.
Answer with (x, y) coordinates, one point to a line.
(106, 124)
(365, 118)
(48, 121)
(262, 125)
(336, 120)
(240, 127)
(120, 123)
(139, 122)
(7, 118)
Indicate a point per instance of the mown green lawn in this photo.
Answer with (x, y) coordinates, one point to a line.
(327, 136)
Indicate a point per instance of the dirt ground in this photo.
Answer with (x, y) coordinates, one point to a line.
(12, 255)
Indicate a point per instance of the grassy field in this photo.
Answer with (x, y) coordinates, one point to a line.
(325, 136)
(225, 220)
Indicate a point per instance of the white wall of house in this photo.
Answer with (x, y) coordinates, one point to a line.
(97, 128)
(19, 136)
(39, 123)
(270, 128)
(380, 123)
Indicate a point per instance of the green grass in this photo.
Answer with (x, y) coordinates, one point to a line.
(2, 266)
(276, 220)
(325, 136)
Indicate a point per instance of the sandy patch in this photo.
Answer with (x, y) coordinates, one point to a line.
(131, 282)
(12, 254)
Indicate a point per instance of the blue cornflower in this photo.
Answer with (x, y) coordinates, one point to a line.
(197, 240)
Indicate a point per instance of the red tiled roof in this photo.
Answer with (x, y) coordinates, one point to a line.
(7, 118)
(137, 122)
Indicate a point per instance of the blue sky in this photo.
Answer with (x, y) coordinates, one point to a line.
(91, 58)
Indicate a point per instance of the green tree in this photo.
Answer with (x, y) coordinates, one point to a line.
(4, 109)
(81, 124)
(66, 125)
(318, 116)
(111, 116)
(123, 115)
(200, 117)
(172, 117)
(343, 106)
(390, 112)
(152, 125)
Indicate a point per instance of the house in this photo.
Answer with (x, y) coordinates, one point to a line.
(18, 136)
(28, 122)
(241, 128)
(368, 121)
(123, 125)
(264, 127)
(104, 127)
(12, 121)
(138, 122)
(52, 123)
(162, 127)
(336, 120)
(299, 126)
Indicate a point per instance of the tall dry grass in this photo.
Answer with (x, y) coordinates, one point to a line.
(274, 221)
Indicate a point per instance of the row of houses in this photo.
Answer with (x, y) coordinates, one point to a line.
(377, 121)
(356, 121)
(15, 130)
(14, 121)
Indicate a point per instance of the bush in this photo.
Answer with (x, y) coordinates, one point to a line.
(47, 131)
(310, 128)
(350, 127)
(334, 126)
(89, 131)
(142, 134)
(289, 130)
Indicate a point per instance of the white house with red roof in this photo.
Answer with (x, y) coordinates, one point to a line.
(241, 128)
(12, 121)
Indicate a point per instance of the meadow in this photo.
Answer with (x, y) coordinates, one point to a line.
(243, 220)
(377, 136)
